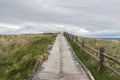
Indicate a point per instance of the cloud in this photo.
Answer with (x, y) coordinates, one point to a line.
(41, 28)
(81, 17)
(107, 33)
(9, 26)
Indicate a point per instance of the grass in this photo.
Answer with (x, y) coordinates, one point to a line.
(92, 65)
(111, 48)
(19, 54)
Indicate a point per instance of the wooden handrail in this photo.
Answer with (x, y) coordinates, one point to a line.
(92, 48)
(94, 57)
(111, 69)
(102, 55)
(112, 58)
(105, 55)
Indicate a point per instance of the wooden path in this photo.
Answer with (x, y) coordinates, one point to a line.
(61, 64)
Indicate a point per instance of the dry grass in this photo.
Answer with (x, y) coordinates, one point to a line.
(91, 64)
(112, 48)
(20, 53)
(9, 43)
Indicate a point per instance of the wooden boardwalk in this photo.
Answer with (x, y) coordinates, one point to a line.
(61, 64)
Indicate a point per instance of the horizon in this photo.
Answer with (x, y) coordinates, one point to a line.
(97, 37)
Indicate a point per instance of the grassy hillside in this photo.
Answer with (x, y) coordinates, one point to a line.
(91, 64)
(19, 54)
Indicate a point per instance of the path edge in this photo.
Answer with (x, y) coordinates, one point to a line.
(89, 74)
(39, 63)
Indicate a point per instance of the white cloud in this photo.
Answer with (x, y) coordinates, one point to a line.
(9, 26)
(84, 31)
(106, 31)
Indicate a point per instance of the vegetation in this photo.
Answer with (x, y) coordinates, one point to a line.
(92, 65)
(19, 54)
(111, 48)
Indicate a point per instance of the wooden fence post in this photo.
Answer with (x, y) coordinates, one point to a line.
(71, 36)
(83, 44)
(101, 50)
(76, 38)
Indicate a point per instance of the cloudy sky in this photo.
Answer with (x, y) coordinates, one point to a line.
(81, 17)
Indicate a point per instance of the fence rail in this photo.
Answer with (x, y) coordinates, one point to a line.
(101, 53)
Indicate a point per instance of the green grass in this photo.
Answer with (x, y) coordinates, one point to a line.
(92, 65)
(23, 53)
(111, 48)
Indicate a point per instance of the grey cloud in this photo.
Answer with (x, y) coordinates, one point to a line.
(92, 15)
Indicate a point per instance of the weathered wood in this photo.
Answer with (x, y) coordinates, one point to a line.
(94, 57)
(76, 38)
(111, 58)
(83, 44)
(105, 55)
(70, 36)
(90, 54)
(79, 45)
(111, 69)
(73, 37)
(101, 58)
(78, 41)
(88, 46)
(102, 50)
(92, 49)
(83, 66)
